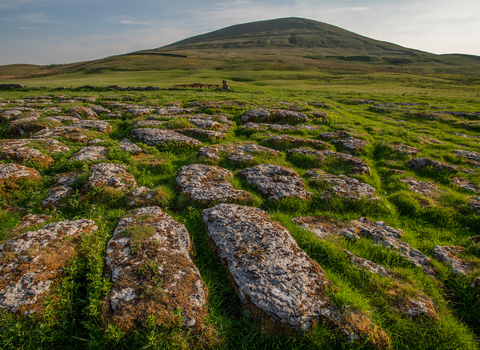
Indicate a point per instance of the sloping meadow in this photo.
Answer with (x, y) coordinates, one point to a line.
(192, 219)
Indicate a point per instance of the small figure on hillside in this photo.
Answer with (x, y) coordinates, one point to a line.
(225, 86)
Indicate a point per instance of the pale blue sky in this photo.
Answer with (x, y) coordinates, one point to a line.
(65, 31)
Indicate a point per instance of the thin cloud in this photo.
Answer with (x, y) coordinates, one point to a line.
(39, 17)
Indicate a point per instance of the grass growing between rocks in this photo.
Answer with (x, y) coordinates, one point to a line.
(72, 319)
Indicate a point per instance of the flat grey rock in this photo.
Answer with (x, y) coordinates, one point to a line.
(423, 187)
(128, 146)
(158, 136)
(352, 144)
(419, 163)
(23, 150)
(60, 190)
(471, 157)
(67, 132)
(275, 182)
(11, 173)
(298, 142)
(86, 154)
(235, 153)
(97, 125)
(346, 187)
(449, 255)
(274, 115)
(110, 175)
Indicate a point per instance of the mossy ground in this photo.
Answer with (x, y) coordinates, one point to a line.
(72, 320)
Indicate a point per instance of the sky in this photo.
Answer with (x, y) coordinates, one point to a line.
(67, 31)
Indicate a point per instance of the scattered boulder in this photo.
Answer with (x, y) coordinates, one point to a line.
(82, 112)
(66, 132)
(99, 109)
(449, 255)
(475, 204)
(152, 273)
(150, 124)
(207, 183)
(128, 146)
(32, 263)
(235, 153)
(138, 112)
(210, 134)
(273, 276)
(11, 175)
(60, 190)
(62, 118)
(419, 163)
(207, 123)
(173, 110)
(273, 116)
(319, 226)
(275, 182)
(465, 184)
(110, 175)
(298, 142)
(97, 125)
(159, 136)
(23, 150)
(352, 144)
(368, 265)
(90, 153)
(340, 134)
(144, 197)
(30, 220)
(358, 165)
(30, 125)
(471, 157)
(423, 187)
(264, 126)
(346, 187)
(408, 150)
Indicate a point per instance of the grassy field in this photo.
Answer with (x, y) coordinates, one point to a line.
(72, 320)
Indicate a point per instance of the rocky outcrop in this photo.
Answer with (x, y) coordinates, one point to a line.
(128, 146)
(368, 265)
(275, 182)
(471, 157)
(97, 125)
(235, 153)
(423, 187)
(264, 126)
(210, 134)
(110, 175)
(336, 134)
(208, 183)
(66, 132)
(475, 204)
(408, 150)
(23, 150)
(163, 137)
(419, 163)
(298, 142)
(32, 263)
(30, 220)
(61, 190)
(345, 187)
(148, 262)
(12, 175)
(465, 184)
(449, 255)
(352, 144)
(90, 153)
(273, 116)
(82, 112)
(319, 226)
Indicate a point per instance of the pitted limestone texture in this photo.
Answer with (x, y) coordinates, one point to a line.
(210, 134)
(12, 174)
(274, 116)
(97, 125)
(23, 150)
(316, 225)
(298, 142)
(471, 157)
(67, 132)
(153, 137)
(86, 154)
(358, 165)
(419, 163)
(449, 255)
(61, 190)
(207, 183)
(423, 187)
(152, 273)
(111, 175)
(235, 153)
(346, 187)
(82, 112)
(33, 262)
(128, 146)
(265, 126)
(275, 182)
(30, 220)
(269, 270)
(352, 144)
(379, 232)
(405, 149)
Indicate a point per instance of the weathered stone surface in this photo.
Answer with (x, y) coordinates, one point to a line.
(475, 204)
(12, 174)
(66, 132)
(270, 272)
(30, 220)
(25, 150)
(110, 175)
(86, 154)
(416, 308)
(471, 157)
(32, 263)
(145, 197)
(368, 265)
(172, 110)
(128, 146)
(272, 116)
(153, 274)
(358, 165)
(99, 109)
(314, 172)
(98, 125)
(400, 148)
(464, 183)
(149, 123)
(336, 134)
(319, 226)
(381, 233)
(423, 187)
(449, 255)
(210, 134)
(275, 182)
(84, 112)
(29, 125)
(419, 163)
(137, 112)
(476, 283)
(60, 190)
(298, 142)
(397, 172)
(235, 153)
(207, 183)
(158, 136)
(352, 144)
(346, 187)
(209, 123)
(277, 127)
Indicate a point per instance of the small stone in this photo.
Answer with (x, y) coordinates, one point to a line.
(423, 187)
(449, 255)
(419, 163)
(128, 146)
(90, 153)
(471, 157)
(352, 144)
(465, 184)
(404, 149)
(97, 125)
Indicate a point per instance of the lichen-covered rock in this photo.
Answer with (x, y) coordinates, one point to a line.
(358, 165)
(419, 163)
(413, 308)
(145, 197)
(400, 148)
(110, 175)
(275, 182)
(158, 136)
(173, 110)
(99, 109)
(396, 172)
(423, 187)
(272, 275)
(264, 126)
(149, 123)
(207, 123)
(23, 150)
(30, 220)
(33, 263)
(128, 146)
(137, 112)
(471, 157)
(235, 153)
(352, 144)
(60, 190)
(152, 273)
(208, 183)
(319, 226)
(66, 132)
(13, 174)
(86, 154)
(82, 112)
(210, 134)
(379, 232)
(98, 125)
(30, 125)
(346, 187)
(368, 265)
(336, 134)
(465, 184)
(62, 118)
(449, 255)
(298, 142)
(273, 115)
(475, 204)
